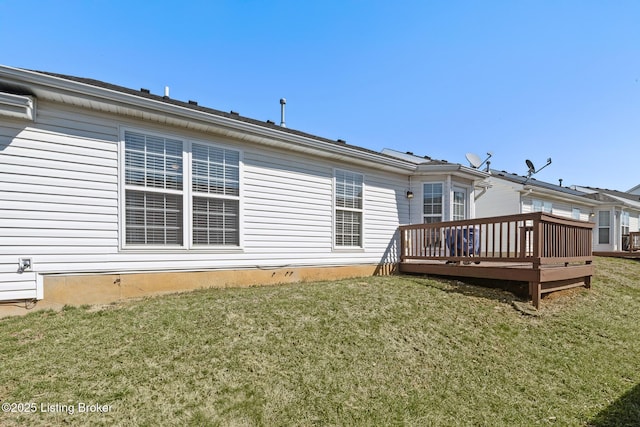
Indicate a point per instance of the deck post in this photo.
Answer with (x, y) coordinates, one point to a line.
(535, 290)
(537, 240)
(403, 239)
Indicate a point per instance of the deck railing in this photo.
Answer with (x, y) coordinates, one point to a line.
(538, 238)
(634, 241)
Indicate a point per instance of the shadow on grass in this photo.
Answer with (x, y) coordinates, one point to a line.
(498, 290)
(623, 412)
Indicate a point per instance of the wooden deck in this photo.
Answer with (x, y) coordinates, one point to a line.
(548, 252)
(619, 254)
(633, 251)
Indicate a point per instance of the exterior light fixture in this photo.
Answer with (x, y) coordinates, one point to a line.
(24, 264)
(409, 194)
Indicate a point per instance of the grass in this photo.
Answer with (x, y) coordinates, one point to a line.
(375, 351)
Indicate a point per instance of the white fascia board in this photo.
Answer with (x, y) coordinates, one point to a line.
(625, 202)
(454, 169)
(543, 192)
(50, 87)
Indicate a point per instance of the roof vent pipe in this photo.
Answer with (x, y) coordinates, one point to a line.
(283, 101)
(166, 91)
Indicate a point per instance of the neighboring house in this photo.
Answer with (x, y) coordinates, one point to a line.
(635, 190)
(111, 191)
(613, 215)
(617, 214)
(512, 194)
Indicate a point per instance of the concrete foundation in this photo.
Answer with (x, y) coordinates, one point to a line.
(61, 290)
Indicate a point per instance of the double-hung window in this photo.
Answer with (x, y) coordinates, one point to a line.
(216, 188)
(432, 202)
(153, 190)
(604, 227)
(459, 204)
(160, 210)
(542, 206)
(575, 213)
(624, 223)
(348, 209)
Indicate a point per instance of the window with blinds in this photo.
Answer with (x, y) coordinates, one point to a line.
(348, 215)
(155, 193)
(216, 190)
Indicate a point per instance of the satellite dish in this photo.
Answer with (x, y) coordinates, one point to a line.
(532, 169)
(474, 160)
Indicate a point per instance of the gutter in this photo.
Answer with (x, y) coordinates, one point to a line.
(451, 168)
(528, 189)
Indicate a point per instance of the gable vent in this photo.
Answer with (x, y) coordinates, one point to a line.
(17, 106)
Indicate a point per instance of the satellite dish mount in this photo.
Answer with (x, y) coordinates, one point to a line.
(532, 169)
(474, 160)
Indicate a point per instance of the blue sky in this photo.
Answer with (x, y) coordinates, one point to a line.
(523, 79)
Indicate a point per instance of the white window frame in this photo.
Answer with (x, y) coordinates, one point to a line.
(465, 192)
(442, 201)
(538, 205)
(337, 208)
(187, 196)
(604, 227)
(576, 213)
(624, 222)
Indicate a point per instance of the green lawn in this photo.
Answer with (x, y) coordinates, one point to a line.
(376, 351)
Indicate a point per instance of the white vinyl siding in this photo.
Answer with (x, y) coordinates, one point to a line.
(348, 214)
(500, 199)
(62, 192)
(58, 196)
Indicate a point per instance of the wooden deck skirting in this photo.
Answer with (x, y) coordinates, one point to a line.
(549, 252)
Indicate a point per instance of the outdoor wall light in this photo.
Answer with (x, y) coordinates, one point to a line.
(409, 194)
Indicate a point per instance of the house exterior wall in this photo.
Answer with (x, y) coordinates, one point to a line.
(502, 198)
(634, 222)
(560, 208)
(449, 183)
(60, 205)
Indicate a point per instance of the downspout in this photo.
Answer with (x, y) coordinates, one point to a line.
(410, 199)
(484, 188)
(449, 205)
(476, 196)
